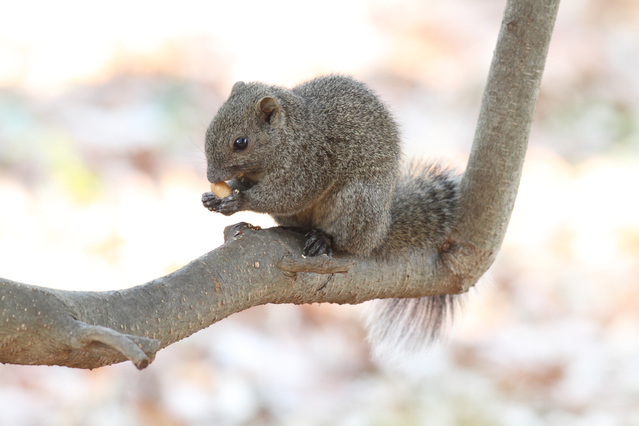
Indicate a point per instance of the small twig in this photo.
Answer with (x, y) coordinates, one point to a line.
(140, 350)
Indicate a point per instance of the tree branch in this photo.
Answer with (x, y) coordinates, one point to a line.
(490, 182)
(255, 267)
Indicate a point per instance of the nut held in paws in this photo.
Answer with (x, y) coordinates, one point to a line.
(221, 189)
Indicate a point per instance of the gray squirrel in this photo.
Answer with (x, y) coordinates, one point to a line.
(325, 156)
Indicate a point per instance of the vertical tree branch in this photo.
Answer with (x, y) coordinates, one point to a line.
(489, 185)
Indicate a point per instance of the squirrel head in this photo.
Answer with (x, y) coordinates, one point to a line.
(242, 135)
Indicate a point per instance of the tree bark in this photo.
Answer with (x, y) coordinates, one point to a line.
(255, 267)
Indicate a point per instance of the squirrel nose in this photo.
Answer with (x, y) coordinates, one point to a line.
(215, 175)
(212, 174)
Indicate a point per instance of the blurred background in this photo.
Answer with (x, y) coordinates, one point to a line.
(103, 109)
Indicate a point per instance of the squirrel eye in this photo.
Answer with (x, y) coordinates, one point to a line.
(240, 143)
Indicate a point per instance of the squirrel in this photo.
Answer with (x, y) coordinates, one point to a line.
(325, 156)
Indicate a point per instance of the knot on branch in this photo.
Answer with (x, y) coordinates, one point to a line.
(236, 230)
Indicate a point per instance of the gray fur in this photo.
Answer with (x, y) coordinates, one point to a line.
(326, 155)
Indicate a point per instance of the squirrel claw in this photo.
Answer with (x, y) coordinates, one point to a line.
(210, 201)
(318, 243)
(227, 206)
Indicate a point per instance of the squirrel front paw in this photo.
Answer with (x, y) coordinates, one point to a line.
(227, 205)
(318, 243)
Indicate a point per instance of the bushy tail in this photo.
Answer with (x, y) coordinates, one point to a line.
(425, 211)
(406, 326)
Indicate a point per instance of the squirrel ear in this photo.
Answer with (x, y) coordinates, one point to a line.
(267, 108)
(237, 85)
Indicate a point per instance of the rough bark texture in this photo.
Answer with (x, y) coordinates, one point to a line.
(254, 267)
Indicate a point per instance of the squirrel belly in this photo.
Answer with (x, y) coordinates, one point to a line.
(325, 156)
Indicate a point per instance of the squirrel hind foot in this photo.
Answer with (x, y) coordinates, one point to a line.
(318, 243)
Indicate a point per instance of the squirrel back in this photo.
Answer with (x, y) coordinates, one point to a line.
(325, 156)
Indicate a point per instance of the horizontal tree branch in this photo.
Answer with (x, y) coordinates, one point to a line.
(253, 267)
